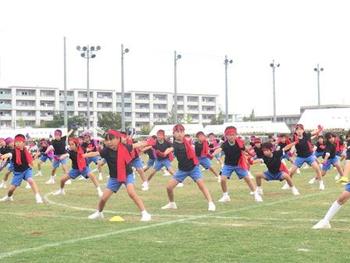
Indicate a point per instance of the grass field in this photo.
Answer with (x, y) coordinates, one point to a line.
(277, 230)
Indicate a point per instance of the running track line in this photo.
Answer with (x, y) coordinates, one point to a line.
(134, 229)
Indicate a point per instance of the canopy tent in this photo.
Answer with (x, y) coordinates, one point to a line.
(168, 128)
(330, 119)
(250, 127)
(31, 132)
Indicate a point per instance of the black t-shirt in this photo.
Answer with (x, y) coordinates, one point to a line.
(24, 166)
(184, 164)
(91, 145)
(273, 163)
(331, 149)
(303, 147)
(258, 151)
(320, 147)
(162, 147)
(150, 153)
(73, 156)
(60, 146)
(232, 153)
(198, 147)
(111, 158)
(281, 145)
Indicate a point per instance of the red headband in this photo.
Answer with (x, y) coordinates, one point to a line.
(75, 141)
(178, 128)
(116, 134)
(230, 131)
(20, 139)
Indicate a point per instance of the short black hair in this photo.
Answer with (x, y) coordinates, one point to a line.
(267, 145)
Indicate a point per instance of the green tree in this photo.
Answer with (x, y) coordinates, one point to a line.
(219, 119)
(109, 120)
(75, 122)
(57, 121)
(145, 130)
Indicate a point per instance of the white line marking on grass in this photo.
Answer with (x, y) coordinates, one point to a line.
(138, 228)
(303, 249)
(31, 215)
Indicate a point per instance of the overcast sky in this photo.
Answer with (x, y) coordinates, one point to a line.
(297, 34)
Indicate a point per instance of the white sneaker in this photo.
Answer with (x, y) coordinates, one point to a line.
(145, 186)
(211, 206)
(224, 199)
(3, 185)
(337, 177)
(285, 186)
(81, 178)
(28, 186)
(6, 198)
(96, 215)
(322, 187)
(38, 174)
(166, 173)
(59, 192)
(251, 193)
(50, 181)
(322, 224)
(295, 191)
(258, 198)
(260, 190)
(180, 185)
(146, 217)
(38, 199)
(69, 181)
(170, 205)
(313, 180)
(298, 171)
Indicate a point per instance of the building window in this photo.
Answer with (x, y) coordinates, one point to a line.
(192, 99)
(142, 96)
(142, 106)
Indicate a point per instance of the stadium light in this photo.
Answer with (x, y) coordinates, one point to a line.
(318, 70)
(226, 62)
(123, 52)
(273, 65)
(88, 52)
(176, 58)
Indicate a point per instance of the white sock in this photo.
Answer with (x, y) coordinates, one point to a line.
(332, 211)
(144, 212)
(98, 188)
(37, 195)
(225, 194)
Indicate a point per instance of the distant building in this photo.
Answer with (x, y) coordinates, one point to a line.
(30, 106)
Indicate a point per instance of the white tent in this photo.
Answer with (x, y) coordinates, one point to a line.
(168, 128)
(250, 127)
(32, 132)
(336, 118)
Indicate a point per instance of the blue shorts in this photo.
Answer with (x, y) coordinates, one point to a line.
(57, 163)
(195, 174)
(137, 163)
(10, 167)
(270, 176)
(74, 173)
(319, 154)
(92, 159)
(227, 170)
(114, 185)
(326, 166)
(205, 162)
(299, 161)
(150, 162)
(162, 163)
(18, 177)
(44, 158)
(347, 187)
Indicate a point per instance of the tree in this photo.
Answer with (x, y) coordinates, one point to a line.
(219, 119)
(145, 130)
(57, 121)
(109, 120)
(75, 122)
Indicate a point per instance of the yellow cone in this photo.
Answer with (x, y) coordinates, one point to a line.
(116, 219)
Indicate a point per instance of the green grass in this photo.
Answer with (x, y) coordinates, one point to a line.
(277, 230)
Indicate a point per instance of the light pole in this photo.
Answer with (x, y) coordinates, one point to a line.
(318, 70)
(176, 58)
(273, 65)
(226, 62)
(65, 83)
(123, 52)
(88, 52)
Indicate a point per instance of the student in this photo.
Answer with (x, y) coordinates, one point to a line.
(58, 145)
(201, 147)
(257, 149)
(43, 155)
(330, 157)
(79, 167)
(90, 145)
(149, 151)
(162, 160)
(22, 169)
(187, 167)
(118, 158)
(304, 151)
(276, 170)
(344, 179)
(320, 146)
(235, 161)
(7, 163)
(214, 143)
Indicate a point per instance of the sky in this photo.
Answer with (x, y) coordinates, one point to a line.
(297, 34)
